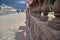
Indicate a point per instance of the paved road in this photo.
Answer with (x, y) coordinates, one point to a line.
(9, 25)
(13, 27)
(12, 19)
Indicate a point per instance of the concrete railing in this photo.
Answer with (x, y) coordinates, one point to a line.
(41, 28)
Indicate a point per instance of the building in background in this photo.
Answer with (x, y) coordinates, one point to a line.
(18, 4)
(6, 8)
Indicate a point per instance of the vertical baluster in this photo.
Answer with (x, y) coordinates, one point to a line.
(45, 10)
(34, 6)
(40, 2)
(55, 23)
(36, 12)
(36, 3)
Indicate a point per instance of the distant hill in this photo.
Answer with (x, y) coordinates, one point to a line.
(19, 4)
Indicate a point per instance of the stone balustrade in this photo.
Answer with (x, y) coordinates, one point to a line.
(41, 28)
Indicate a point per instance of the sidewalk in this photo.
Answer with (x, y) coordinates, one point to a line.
(23, 34)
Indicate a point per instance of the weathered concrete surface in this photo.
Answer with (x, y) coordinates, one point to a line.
(23, 33)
